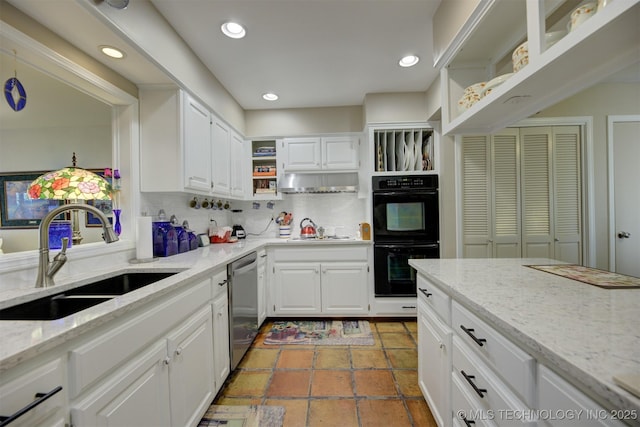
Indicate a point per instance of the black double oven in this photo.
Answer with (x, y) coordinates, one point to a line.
(405, 225)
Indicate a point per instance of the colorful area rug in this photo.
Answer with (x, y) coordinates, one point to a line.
(592, 276)
(320, 332)
(243, 416)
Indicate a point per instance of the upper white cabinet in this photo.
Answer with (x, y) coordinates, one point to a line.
(186, 148)
(335, 153)
(482, 50)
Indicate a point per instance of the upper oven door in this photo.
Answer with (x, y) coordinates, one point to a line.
(406, 216)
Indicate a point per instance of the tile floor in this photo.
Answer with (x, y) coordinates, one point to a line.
(359, 386)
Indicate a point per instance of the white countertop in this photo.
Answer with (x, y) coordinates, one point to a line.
(586, 333)
(22, 340)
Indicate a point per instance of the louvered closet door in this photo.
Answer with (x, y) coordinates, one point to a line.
(567, 194)
(537, 204)
(476, 211)
(505, 194)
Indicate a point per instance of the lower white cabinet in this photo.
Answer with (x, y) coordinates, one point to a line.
(320, 288)
(434, 362)
(262, 286)
(171, 383)
(221, 355)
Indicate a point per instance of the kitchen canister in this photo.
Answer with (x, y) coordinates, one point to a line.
(285, 231)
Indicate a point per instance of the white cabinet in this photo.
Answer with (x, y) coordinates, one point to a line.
(335, 153)
(434, 362)
(262, 286)
(220, 156)
(482, 50)
(333, 280)
(21, 391)
(221, 355)
(238, 173)
(409, 148)
(197, 146)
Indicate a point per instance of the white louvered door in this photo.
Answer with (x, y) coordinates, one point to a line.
(475, 198)
(505, 194)
(537, 209)
(567, 231)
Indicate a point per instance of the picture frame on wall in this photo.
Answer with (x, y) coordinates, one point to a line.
(17, 209)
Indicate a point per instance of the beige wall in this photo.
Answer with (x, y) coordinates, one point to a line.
(302, 121)
(449, 18)
(395, 107)
(600, 101)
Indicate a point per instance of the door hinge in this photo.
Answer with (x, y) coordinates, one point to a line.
(274, 307)
(368, 269)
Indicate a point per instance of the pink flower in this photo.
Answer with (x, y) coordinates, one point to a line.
(89, 187)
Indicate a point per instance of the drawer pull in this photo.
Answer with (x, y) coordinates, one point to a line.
(470, 331)
(470, 378)
(409, 306)
(40, 397)
(425, 292)
(467, 422)
(224, 282)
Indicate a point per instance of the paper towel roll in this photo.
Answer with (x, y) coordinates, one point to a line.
(144, 238)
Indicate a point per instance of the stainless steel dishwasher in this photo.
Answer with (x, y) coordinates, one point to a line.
(243, 305)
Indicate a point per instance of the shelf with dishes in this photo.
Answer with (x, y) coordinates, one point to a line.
(264, 170)
(576, 45)
(404, 150)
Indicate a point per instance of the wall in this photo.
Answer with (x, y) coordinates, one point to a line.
(600, 101)
(395, 107)
(449, 18)
(302, 121)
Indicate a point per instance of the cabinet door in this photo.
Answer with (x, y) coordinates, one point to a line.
(262, 284)
(434, 364)
(238, 166)
(191, 381)
(221, 339)
(221, 154)
(197, 146)
(302, 154)
(345, 288)
(340, 153)
(297, 288)
(505, 194)
(137, 395)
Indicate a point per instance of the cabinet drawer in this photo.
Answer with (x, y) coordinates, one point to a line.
(108, 351)
(316, 254)
(465, 407)
(219, 282)
(515, 366)
(557, 396)
(396, 306)
(488, 391)
(20, 392)
(436, 300)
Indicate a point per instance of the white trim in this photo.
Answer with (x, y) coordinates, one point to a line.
(611, 120)
(458, 196)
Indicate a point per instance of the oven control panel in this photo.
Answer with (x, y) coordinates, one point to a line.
(404, 182)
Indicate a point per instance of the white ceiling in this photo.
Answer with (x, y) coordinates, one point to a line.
(312, 53)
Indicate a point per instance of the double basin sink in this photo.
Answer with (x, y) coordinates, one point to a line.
(77, 299)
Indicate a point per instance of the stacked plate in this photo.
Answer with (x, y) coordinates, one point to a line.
(471, 95)
(520, 56)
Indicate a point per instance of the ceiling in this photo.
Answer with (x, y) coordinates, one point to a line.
(312, 53)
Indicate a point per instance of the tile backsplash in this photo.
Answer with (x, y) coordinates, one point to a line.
(341, 210)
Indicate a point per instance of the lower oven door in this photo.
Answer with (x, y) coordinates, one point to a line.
(394, 277)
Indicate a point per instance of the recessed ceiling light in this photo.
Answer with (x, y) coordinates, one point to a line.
(112, 52)
(270, 96)
(409, 61)
(233, 30)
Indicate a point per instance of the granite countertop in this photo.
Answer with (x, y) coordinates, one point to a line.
(22, 340)
(586, 333)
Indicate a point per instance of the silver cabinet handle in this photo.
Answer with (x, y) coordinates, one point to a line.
(179, 351)
(624, 235)
(166, 360)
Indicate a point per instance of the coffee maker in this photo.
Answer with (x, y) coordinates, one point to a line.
(237, 230)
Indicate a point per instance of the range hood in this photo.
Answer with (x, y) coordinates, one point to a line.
(319, 183)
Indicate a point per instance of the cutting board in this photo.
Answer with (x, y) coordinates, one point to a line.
(629, 382)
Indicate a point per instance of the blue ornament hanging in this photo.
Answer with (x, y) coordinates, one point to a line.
(15, 94)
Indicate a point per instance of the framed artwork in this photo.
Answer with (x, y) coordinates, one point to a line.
(17, 210)
(106, 206)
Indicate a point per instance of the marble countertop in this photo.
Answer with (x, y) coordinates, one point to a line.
(22, 340)
(586, 333)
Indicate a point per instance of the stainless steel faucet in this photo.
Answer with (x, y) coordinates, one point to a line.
(46, 269)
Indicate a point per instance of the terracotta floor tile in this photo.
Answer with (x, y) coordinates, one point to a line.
(289, 384)
(374, 383)
(237, 401)
(248, 383)
(332, 413)
(259, 341)
(363, 359)
(420, 413)
(295, 414)
(403, 358)
(411, 326)
(390, 327)
(259, 358)
(325, 383)
(332, 358)
(383, 413)
(397, 340)
(295, 359)
(407, 380)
